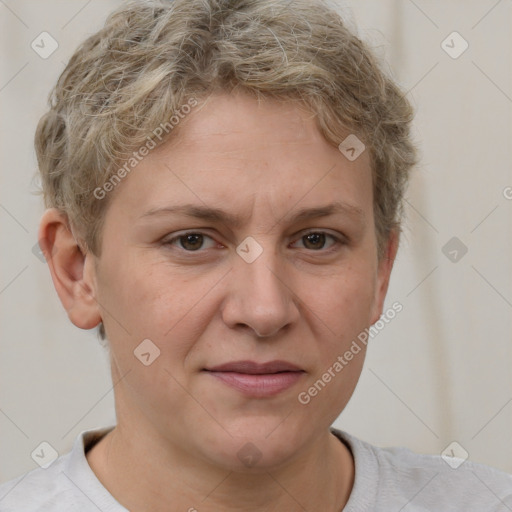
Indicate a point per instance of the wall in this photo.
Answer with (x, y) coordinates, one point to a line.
(439, 372)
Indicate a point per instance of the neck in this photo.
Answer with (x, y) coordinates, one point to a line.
(144, 475)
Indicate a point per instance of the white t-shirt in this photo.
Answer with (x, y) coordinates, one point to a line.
(386, 480)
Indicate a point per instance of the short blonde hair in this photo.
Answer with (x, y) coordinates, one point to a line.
(153, 57)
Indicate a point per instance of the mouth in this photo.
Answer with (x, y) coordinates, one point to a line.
(258, 380)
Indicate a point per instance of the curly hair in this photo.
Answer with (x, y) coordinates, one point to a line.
(152, 57)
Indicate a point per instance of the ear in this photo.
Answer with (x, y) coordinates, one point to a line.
(385, 266)
(72, 271)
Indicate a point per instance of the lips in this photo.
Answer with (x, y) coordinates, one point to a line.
(257, 380)
(253, 368)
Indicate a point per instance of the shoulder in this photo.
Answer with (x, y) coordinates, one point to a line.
(67, 484)
(39, 489)
(399, 477)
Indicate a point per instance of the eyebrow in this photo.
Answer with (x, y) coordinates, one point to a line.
(221, 216)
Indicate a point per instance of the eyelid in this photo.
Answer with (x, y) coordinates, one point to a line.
(169, 240)
(339, 239)
(335, 234)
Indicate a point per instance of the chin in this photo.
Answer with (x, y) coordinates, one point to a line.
(256, 444)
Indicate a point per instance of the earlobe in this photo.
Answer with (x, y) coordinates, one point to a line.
(385, 267)
(72, 276)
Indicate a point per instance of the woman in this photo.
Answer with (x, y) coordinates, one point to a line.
(224, 183)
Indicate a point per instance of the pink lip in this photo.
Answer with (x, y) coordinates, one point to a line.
(257, 379)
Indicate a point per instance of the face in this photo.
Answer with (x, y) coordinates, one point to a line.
(248, 239)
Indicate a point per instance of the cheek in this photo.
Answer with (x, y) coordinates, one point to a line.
(342, 309)
(341, 299)
(158, 303)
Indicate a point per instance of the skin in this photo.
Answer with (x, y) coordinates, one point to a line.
(302, 300)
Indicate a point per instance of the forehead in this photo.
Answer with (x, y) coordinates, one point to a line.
(243, 114)
(234, 151)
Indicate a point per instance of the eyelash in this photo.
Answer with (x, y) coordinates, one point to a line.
(338, 241)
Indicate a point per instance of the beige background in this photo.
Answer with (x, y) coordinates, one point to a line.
(439, 372)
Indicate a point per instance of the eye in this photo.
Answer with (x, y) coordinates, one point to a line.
(190, 242)
(193, 241)
(316, 240)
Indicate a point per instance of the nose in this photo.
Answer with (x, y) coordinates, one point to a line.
(260, 296)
